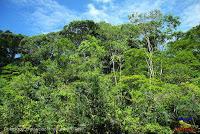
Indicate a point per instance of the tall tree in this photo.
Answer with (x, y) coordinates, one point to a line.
(78, 30)
(154, 29)
(9, 46)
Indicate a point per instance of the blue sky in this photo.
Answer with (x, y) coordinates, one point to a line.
(31, 17)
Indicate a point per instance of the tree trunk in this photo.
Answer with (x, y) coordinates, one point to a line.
(113, 68)
(150, 58)
(120, 68)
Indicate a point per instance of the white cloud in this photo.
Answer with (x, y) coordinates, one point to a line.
(191, 16)
(49, 15)
(104, 1)
(95, 14)
(46, 15)
(117, 13)
(93, 11)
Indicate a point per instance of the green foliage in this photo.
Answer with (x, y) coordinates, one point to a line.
(77, 31)
(154, 27)
(94, 77)
(9, 47)
(135, 62)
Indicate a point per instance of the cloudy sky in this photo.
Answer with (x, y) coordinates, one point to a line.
(33, 17)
